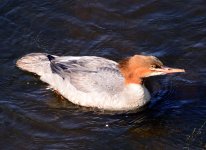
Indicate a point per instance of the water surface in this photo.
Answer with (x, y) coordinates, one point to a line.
(34, 117)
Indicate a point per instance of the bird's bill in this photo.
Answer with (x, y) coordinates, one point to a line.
(168, 70)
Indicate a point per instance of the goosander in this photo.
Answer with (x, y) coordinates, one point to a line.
(93, 81)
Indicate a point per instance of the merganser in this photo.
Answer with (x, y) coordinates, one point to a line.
(93, 81)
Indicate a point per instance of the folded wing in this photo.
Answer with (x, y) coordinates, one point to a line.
(89, 73)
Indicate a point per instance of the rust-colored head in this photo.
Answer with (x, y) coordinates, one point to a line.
(137, 67)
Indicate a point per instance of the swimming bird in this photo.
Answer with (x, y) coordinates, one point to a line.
(93, 81)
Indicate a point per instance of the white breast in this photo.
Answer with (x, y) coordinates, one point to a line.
(132, 97)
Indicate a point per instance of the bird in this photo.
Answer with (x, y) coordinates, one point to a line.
(97, 82)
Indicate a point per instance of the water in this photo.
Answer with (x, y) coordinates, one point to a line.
(34, 117)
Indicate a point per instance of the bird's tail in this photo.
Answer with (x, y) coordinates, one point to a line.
(37, 63)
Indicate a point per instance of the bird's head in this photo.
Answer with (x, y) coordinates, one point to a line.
(136, 68)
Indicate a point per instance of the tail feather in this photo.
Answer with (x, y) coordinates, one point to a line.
(35, 62)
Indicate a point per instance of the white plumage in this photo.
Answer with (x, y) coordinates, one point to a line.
(87, 81)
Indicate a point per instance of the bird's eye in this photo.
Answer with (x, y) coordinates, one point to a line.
(155, 66)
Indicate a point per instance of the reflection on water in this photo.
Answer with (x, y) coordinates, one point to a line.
(32, 116)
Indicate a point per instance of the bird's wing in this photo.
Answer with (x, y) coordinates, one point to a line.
(89, 73)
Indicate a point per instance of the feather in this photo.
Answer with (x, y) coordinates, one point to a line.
(89, 74)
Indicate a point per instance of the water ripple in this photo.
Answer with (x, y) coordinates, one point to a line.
(33, 116)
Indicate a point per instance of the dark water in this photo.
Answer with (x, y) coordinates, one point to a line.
(33, 117)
